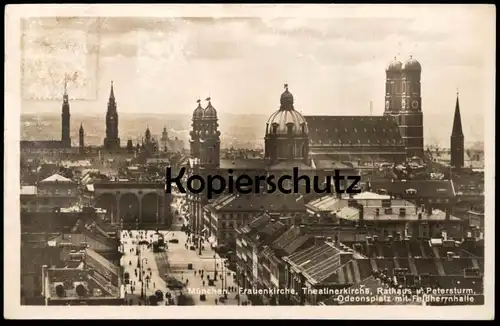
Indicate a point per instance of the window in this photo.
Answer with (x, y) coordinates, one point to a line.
(56, 191)
(69, 191)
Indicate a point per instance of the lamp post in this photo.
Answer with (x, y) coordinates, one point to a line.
(215, 267)
(141, 268)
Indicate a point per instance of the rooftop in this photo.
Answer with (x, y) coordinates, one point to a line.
(415, 188)
(316, 263)
(353, 130)
(275, 202)
(56, 178)
(28, 191)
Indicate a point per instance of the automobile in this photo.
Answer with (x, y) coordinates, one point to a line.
(173, 240)
(192, 248)
(159, 295)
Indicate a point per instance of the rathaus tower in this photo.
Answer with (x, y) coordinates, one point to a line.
(112, 141)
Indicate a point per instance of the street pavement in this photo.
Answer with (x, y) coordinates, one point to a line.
(175, 262)
(148, 266)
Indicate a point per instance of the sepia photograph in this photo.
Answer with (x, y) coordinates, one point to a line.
(244, 159)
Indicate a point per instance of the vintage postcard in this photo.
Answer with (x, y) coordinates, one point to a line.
(233, 161)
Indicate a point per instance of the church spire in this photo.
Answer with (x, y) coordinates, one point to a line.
(112, 92)
(457, 121)
(457, 139)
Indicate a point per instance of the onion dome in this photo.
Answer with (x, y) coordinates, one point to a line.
(198, 112)
(412, 64)
(210, 112)
(287, 120)
(395, 65)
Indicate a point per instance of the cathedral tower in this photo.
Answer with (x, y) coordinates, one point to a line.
(210, 137)
(286, 133)
(65, 118)
(457, 139)
(111, 141)
(393, 87)
(404, 102)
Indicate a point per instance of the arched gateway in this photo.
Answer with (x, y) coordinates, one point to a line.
(134, 202)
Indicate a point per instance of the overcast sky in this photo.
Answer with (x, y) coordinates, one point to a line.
(334, 66)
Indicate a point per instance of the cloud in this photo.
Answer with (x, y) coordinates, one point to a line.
(116, 48)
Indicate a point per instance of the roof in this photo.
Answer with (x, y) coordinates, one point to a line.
(79, 163)
(353, 130)
(275, 202)
(256, 224)
(329, 164)
(424, 188)
(57, 178)
(42, 144)
(243, 164)
(289, 165)
(316, 263)
(411, 214)
(128, 185)
(327, 203)
(28, 191)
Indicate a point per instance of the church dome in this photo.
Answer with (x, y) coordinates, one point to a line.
(198, 112)
(286, 98)
(395, 65)
(412, 64)
(210, 112)
(286, 119)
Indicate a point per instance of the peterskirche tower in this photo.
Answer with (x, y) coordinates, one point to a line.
(457, 139)
(403, 101)
(65, 118)
(112, 141)
(81, 134)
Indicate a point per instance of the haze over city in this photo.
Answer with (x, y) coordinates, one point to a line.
(333, 66)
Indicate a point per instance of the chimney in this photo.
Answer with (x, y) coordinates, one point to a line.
(449, 255)
(447, 214)
(318, 240)
(444, 235)
(419, 216)
(345, 256)
(377, 211)
(302, 229)
(328, 239)
(402, 212)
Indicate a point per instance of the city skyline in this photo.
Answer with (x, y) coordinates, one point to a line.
(115, 102)
(166, 64)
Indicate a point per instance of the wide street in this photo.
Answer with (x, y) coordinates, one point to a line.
(148, 265)
(173, 262)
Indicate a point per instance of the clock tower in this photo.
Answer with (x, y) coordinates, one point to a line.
(409, 116)
(112, 142)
